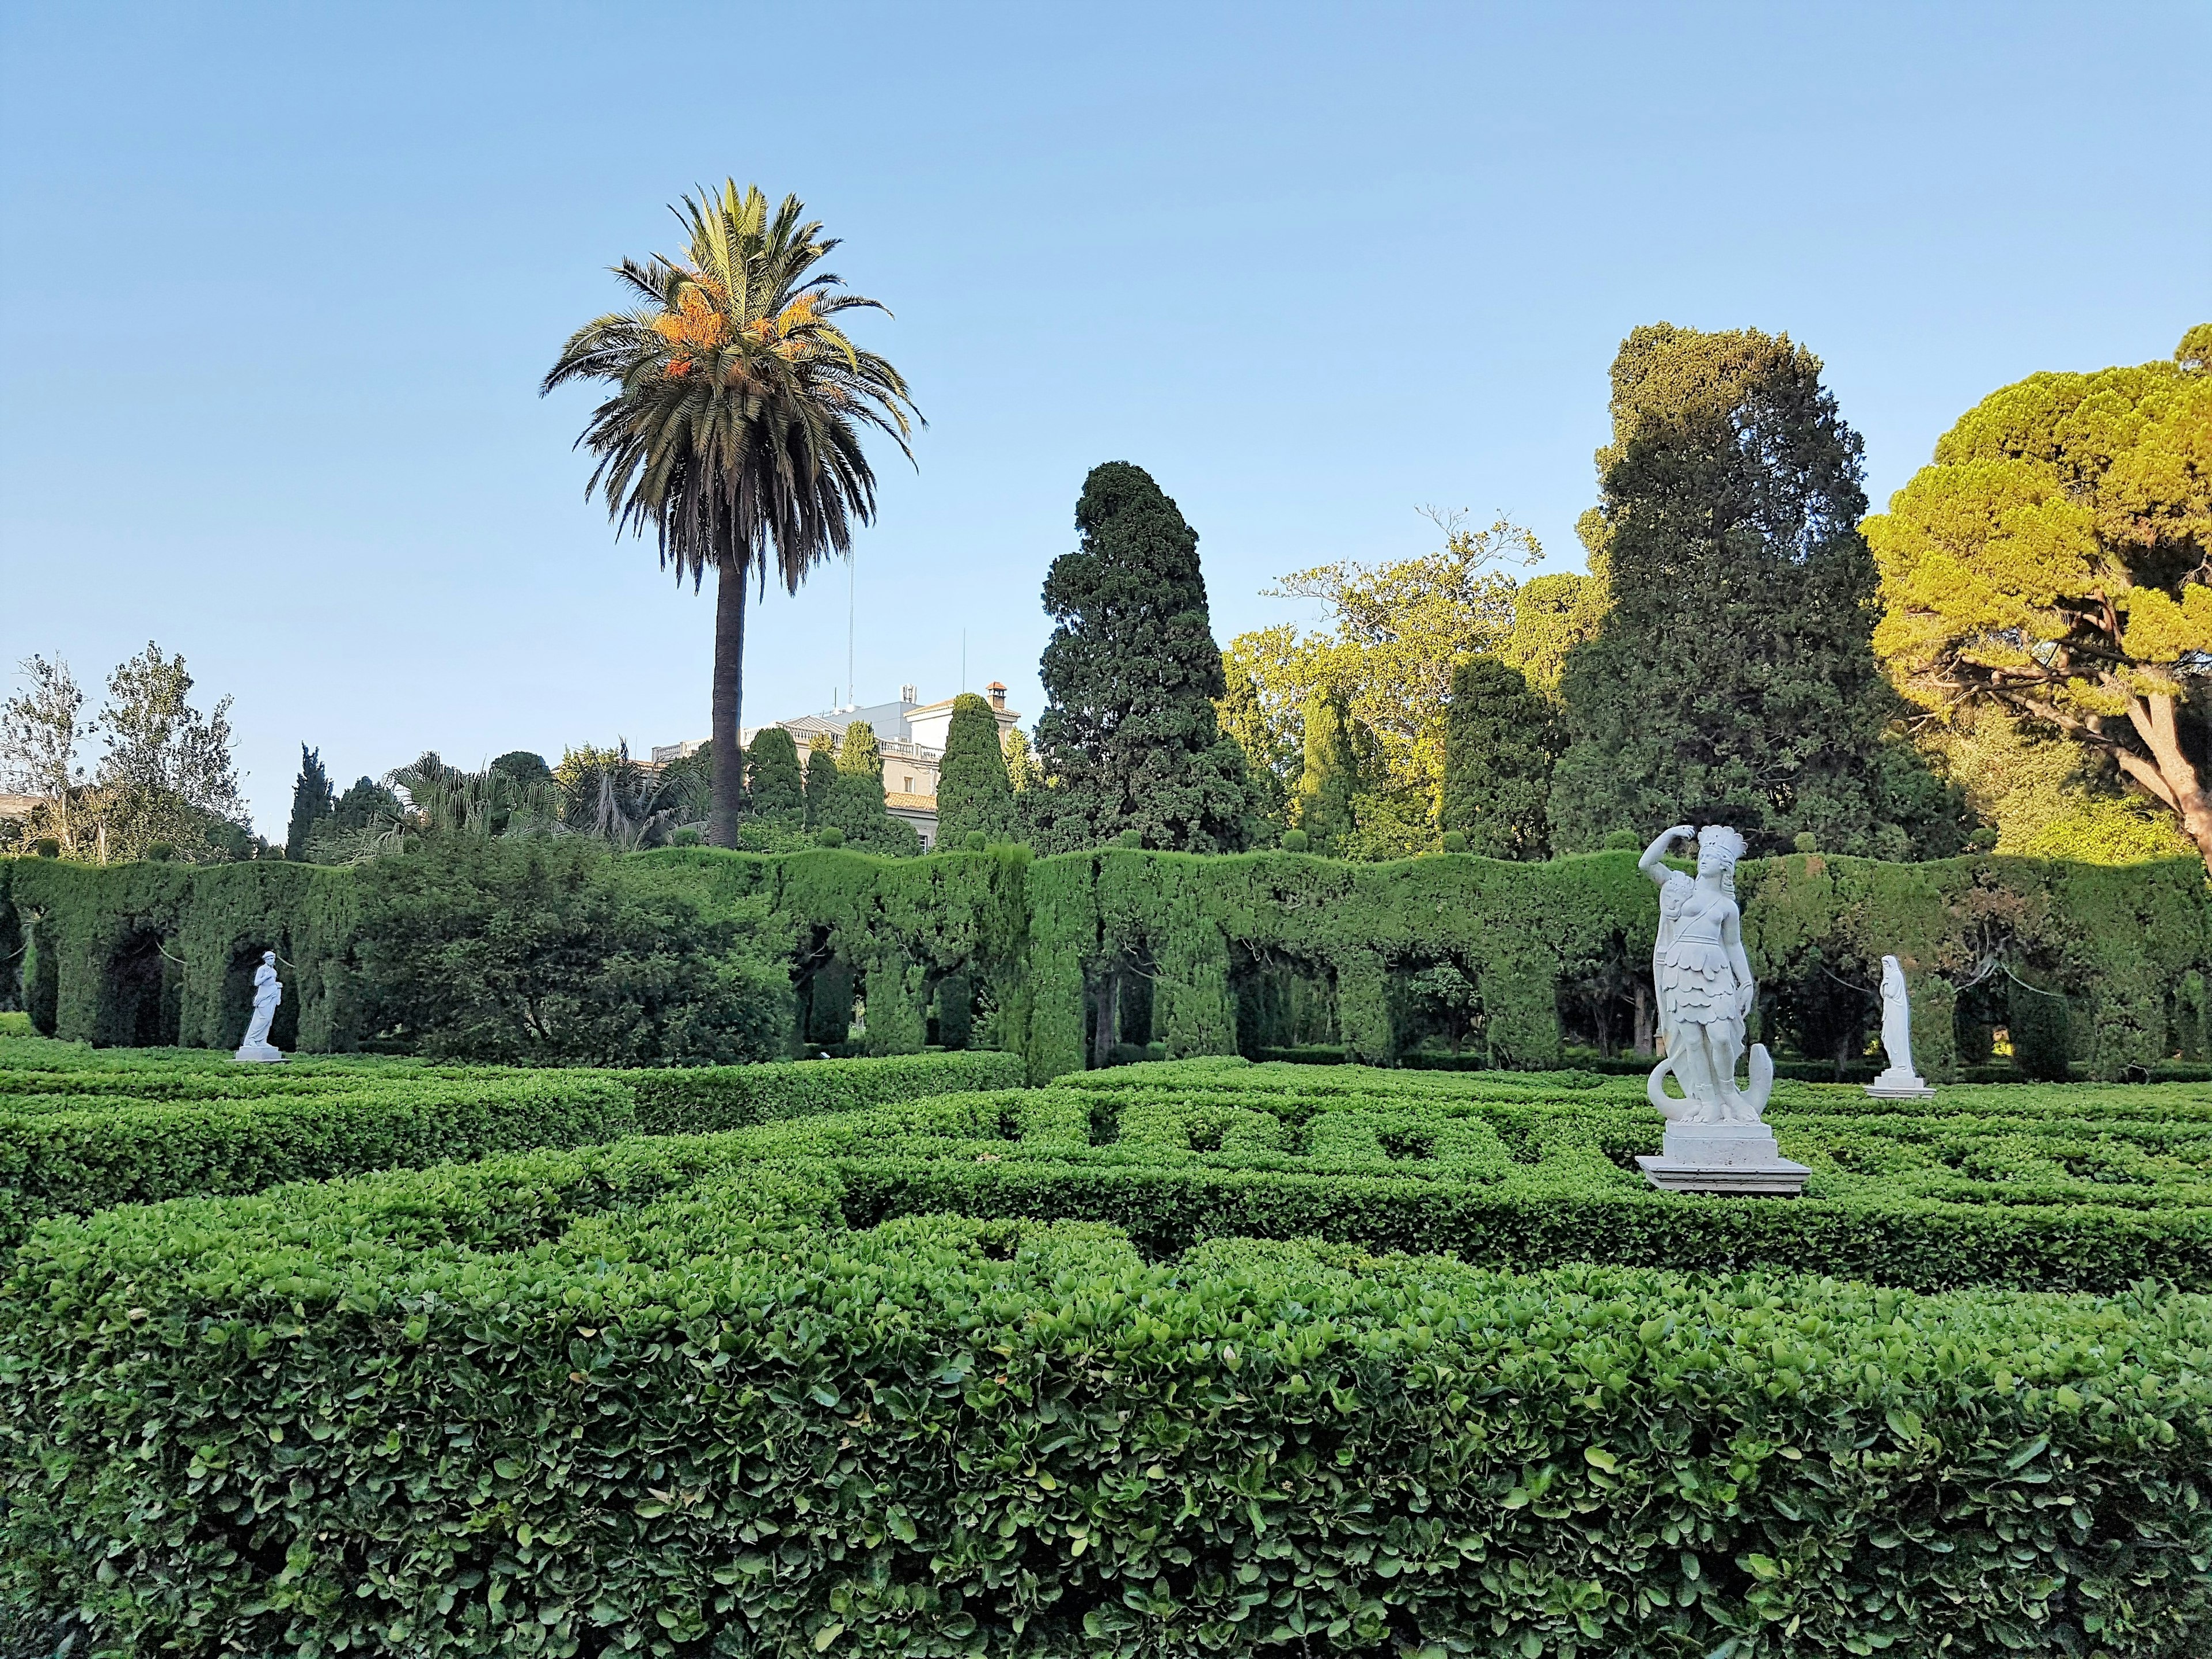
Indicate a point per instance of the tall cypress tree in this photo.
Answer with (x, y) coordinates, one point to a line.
(773, 780)
(856, 801)
(1330, 777)
(1128, 737)
(821, 783)
(1499, 741)
(973, 789)
(312, 802)
(1734, 678)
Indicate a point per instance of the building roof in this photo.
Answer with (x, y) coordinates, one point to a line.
(18, 807)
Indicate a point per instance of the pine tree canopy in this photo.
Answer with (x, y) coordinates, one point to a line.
(777, 788)
(1500, 737)
(1734, 678)
(312, 802)
(2049, 566)
(1128, 738)
(974, 791)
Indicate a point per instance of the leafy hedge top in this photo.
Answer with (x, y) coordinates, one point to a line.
(1519, 1172)
(680, 1399)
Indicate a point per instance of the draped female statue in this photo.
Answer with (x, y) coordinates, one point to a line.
(1704, 984)
(267, 995)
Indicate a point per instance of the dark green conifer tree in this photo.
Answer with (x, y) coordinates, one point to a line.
(1128, 738)
(820, 779)
(312, 802)
(1734, 678)
(366, 803)
(855, 801)
(776, 786)
(1331, 776)
(1500, 740)
(523, 765)
(973, 790)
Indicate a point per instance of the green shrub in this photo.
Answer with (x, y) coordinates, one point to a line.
(81, 1129)
(534, 953)
(86, 1153)
(699, 1100)
(1247, 954)
(655, 1397)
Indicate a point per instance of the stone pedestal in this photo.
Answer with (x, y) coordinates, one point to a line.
(1723, 1157)
(261, 1052)
(1900, 1083)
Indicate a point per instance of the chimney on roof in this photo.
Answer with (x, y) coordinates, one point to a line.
(997, 693)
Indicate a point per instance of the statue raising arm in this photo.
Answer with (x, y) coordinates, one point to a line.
(1650, 863)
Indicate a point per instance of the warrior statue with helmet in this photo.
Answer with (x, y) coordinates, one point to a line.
(1715, 1141)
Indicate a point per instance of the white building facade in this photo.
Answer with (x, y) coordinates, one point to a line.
(909, 735)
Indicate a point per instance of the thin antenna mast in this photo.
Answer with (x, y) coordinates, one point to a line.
(852, 608)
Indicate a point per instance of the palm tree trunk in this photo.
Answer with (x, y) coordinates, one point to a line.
(729, 681)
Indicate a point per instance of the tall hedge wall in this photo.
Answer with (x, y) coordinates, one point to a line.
(1075, 960)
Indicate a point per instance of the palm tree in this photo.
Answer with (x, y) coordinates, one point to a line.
(734, 423)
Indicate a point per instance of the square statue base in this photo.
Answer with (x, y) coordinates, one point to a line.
(1723, 1157)
(260, 1053)
(1895, 1085)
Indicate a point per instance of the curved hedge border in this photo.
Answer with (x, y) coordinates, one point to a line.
(652, 1396)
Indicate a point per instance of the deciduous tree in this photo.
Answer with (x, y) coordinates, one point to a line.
(167, 774)
(40, 729)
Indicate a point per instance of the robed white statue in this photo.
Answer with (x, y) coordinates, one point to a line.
(1705, 985)
(1898, 1081)
(268, 994)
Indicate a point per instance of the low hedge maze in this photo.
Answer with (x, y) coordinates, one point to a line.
(80, 1131)
(987, 1373)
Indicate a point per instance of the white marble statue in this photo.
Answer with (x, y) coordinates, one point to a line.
(267, 993)
(1715, 1140)
(1899, 1081)
(1704, 984)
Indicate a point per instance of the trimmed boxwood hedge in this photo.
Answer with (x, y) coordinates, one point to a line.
(79, 1131)
(659, 1396)
(1196, 953)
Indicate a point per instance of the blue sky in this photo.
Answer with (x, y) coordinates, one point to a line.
(277, 285)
